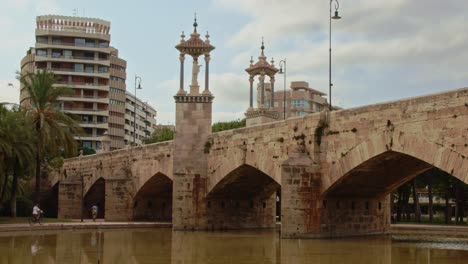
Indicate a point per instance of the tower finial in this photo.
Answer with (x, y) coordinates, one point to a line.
(262, 47)
(251, 60)
(195, 24)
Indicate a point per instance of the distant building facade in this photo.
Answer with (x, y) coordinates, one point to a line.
(142, 125)
(78, 51)
(300, 100)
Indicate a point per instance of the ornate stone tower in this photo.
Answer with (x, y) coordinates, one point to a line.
(263, 113)
(193, 127)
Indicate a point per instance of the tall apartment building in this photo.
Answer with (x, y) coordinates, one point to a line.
(300, 99)
(78, 51)
(143, 115)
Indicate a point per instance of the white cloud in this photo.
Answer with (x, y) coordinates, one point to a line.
(381, 49)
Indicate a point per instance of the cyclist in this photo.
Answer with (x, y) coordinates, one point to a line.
(36, 212)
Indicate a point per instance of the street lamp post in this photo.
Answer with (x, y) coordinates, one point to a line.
(82, 184)
(137, 80)
(336, 16)
(281, 64)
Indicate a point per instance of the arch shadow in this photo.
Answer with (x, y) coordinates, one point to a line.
(244, 198)
(96, 195)
(384, 163)
(153, 201)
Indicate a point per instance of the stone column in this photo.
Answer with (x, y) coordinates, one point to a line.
(272, 96)
(251, 80)
(181, 88)
(262, 92)
(207, 75)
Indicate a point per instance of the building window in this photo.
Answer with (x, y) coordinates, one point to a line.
(79, 67)
(56, 40)
(80, 42)
(300, 103)
(103, 69)
(318, 107)
(89, 68)
(87, 144)
(42, 40)
(68, 54)
(41, 53)
(301, 113)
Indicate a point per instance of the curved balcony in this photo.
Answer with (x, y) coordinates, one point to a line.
(85, 98)
(75, 59)
(94, 124)
(72, 71)
(85, 111)
(81, 85)
(73, 46)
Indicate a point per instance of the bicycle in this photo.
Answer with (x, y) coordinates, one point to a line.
(33, 220)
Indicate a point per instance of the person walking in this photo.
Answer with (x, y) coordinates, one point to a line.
(94, 211)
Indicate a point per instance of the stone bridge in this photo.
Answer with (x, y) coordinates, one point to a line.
(332, 171)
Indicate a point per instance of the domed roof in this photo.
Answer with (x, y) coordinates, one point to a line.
(262, 65)
(195, 46)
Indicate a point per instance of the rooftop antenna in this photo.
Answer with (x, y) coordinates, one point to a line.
(75, 12)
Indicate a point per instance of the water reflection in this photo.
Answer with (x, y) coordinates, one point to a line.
(165, 246)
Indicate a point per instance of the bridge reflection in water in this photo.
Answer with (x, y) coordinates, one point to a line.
(166, 246)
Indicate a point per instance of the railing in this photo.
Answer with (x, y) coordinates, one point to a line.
(77, 70)
(93, 122)
(80, 83)
(85, 96)
(70, 57)
(87, 45)
(82, 109)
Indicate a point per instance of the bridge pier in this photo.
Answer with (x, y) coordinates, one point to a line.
(119, 199)
(69, 200)
(301, 207)
(190, 162)
(355, 216)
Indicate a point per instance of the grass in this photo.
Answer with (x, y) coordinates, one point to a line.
(24, 220)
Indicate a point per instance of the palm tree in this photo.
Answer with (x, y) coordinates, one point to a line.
(17, 148)
(54, 129)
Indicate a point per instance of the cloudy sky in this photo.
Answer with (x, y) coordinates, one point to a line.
(382, 49)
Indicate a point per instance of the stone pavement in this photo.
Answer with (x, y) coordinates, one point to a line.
(77, 225)
(430, 232)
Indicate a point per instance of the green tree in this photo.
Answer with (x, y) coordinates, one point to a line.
(160, 134)
(222, 126)
(18, 154)
(54, 129)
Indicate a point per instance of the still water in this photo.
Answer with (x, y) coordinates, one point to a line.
(165, 246)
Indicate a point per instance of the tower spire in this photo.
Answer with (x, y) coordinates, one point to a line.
(195, 24)
(262, 47)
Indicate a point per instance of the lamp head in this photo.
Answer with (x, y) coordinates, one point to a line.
(281, 70)
(139, 86)
(336, 16)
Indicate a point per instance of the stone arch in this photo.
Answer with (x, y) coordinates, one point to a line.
(414, 154)
(244, 198)
(220, 167)
(153, 200)
(96, 195)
